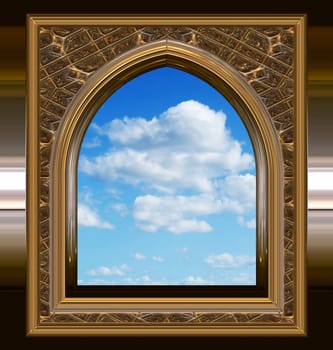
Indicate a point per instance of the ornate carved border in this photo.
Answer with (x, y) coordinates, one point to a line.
(268, 54)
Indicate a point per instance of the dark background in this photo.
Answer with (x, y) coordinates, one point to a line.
(12, 299)
(16, 10)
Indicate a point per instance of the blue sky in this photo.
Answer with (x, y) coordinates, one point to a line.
(166, 187)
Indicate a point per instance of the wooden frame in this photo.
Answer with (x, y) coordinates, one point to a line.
(74, 62)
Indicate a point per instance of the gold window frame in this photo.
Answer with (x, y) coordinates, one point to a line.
(74, 64)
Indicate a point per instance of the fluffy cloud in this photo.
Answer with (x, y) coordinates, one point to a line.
(247, 223)
(144, 280)
(94, 143)
(109, 271)
(188, 148)
(238, 193)
(158, 258)
(226, 260)
(97, 282)
(139, 256)
(120, 208)
(90, 218)
(188, 139)
(179, 214)
(196, 281)
(176, 214)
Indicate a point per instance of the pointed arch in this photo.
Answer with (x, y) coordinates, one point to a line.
(223, 78)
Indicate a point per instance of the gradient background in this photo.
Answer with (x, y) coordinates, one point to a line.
(12, 152)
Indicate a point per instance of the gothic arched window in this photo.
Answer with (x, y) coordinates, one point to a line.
(166, 187)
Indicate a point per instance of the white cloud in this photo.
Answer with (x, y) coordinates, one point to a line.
(139, 256)
(247, 223)
(188, 147)
(144, 280)
(94, 143)
(244, 279)
(90, 218)
(98, 282)
(189, 138)
(86, 196)
(120, 208)
(176, 214)
(238, 193)
(114, 192)
(158, 258)
(179, 214)
(109, 271)
(132, 130)
(191, 280)
(226, 260)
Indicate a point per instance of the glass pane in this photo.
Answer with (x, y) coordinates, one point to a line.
(166, 187)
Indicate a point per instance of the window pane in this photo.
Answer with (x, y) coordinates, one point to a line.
(166, 187)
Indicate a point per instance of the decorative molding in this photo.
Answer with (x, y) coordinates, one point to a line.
(264, 56)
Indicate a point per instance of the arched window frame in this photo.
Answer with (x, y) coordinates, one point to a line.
(271, 171)
(111, 78)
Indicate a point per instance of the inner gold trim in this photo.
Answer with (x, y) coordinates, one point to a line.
(108, 80)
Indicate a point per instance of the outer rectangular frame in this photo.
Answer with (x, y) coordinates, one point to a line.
(50, 312)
